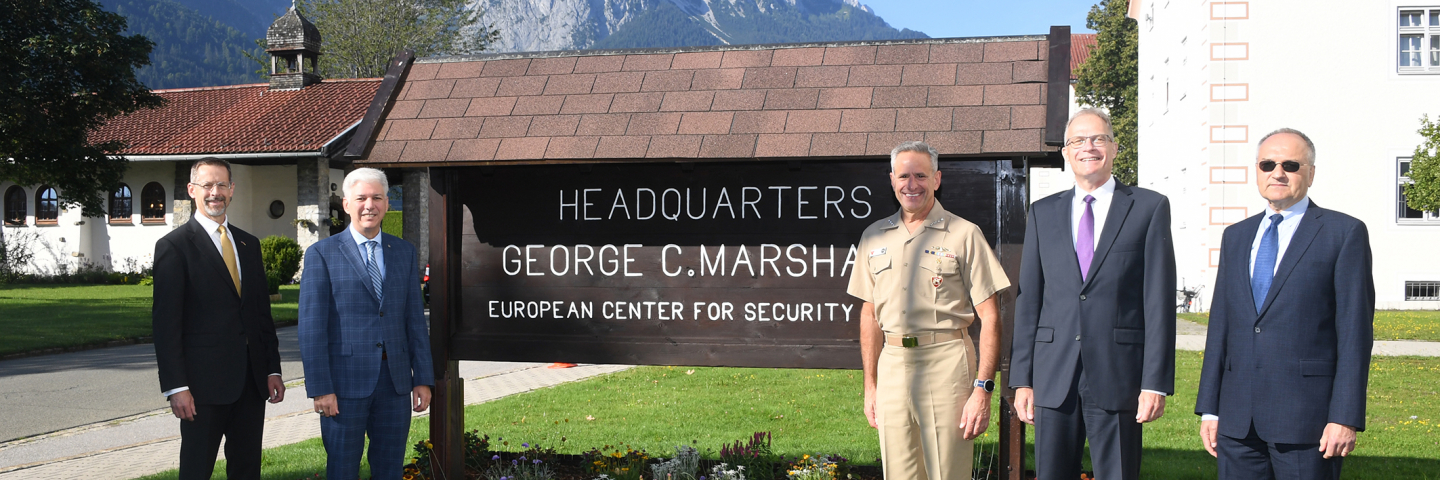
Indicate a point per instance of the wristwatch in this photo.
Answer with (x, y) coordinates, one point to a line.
(988, 385)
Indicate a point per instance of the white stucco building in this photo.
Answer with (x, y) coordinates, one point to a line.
(280, 139)
(1216, 76)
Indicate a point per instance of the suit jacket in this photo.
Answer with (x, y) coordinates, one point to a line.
(344, 329)
(1304, 360)
(204, 330)
(1120, 320)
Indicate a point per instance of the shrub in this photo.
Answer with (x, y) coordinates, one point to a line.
(685, 465)
(15, 255)
(755, 455)
(282, 259)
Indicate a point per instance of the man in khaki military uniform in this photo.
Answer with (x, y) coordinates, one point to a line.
(925, 275)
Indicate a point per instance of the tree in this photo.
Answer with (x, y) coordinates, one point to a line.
(361, 36)
(68, 69)
(1424, 193)
(1110, 79)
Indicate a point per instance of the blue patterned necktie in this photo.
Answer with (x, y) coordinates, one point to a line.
(1264, 271)
(374, 269)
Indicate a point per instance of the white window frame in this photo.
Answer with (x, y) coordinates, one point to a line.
(1427, 31)
(1426, 217)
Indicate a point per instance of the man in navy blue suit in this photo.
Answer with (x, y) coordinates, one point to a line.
(363, 336)
(1282, 391)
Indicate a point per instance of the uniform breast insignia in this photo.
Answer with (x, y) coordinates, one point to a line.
(878, 252)
(939, 253)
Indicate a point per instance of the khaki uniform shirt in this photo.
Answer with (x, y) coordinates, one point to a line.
(927, 281)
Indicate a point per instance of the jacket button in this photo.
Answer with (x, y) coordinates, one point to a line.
(1257, 329)
(1082, 298)
(1077, 338)
(382, 313)
(380, 344)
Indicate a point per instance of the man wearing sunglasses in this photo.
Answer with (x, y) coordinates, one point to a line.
(1282, 391)
(1094, 351)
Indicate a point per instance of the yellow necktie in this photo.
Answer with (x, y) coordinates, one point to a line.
(228, 251)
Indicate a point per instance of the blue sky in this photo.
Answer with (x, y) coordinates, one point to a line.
(982, 18)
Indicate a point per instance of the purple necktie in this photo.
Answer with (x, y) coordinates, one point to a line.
(1085, 239)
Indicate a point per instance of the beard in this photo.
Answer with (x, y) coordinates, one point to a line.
(214, 212)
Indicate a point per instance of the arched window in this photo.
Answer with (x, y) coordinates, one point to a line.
(47, 206)
(15, 206)
(120, 203)
(152, 203)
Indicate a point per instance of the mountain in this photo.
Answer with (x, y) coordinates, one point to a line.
(540, 25)
(192, 49)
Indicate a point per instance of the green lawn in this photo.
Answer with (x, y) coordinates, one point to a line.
(38, 317)
(1389, 324)
(809, 411)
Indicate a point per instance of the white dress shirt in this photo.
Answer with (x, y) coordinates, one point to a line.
(1286, 231)
(1101, 208)
(210, 228)
(1288, 225)
(365, 251)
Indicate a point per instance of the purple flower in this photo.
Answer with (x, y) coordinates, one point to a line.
(497, 457)
(526, 445)
(537, 461)
(515, 462)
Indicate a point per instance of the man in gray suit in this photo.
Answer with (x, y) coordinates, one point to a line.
(1094, 342)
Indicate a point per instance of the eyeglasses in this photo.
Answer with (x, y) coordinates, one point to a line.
(220, 186)
(1097, 140)
(1289, 166)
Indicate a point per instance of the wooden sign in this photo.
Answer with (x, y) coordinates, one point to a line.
(724, 264)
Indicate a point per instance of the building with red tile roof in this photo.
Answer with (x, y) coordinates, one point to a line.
(283, 140)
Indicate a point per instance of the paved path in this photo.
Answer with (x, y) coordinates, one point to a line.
(149, 443)
(49, 393)
(1191, 336)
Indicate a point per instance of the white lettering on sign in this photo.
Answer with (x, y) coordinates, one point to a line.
(794, 260)
(809, 202)
(669, 311)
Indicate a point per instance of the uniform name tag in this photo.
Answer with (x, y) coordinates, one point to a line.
(877, 252)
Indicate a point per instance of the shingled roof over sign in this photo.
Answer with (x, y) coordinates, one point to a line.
(965, 96)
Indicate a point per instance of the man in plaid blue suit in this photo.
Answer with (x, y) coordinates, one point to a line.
(363, 336)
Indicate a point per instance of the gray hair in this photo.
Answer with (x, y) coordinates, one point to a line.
(1309, 145)
(916, 146)
(369, 175)
(1098, 113)
(213, 162)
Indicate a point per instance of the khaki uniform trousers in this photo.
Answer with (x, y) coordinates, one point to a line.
(920, 396)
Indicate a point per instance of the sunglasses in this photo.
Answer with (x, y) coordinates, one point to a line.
(1289, 166)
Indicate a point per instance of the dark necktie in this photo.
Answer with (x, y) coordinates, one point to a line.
(1085, 238)
(374, 268)
(1264, 272)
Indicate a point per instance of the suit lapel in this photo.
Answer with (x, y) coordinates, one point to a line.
(1241, 256)
(242, 256)
(1064, 228)
(200, 239)
(392, 259)
(352, 256)
(1120, 203)
(1309, 227)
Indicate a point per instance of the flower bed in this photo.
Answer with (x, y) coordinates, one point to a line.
(747, 459)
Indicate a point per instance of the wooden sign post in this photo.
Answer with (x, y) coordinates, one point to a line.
(717, 264)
